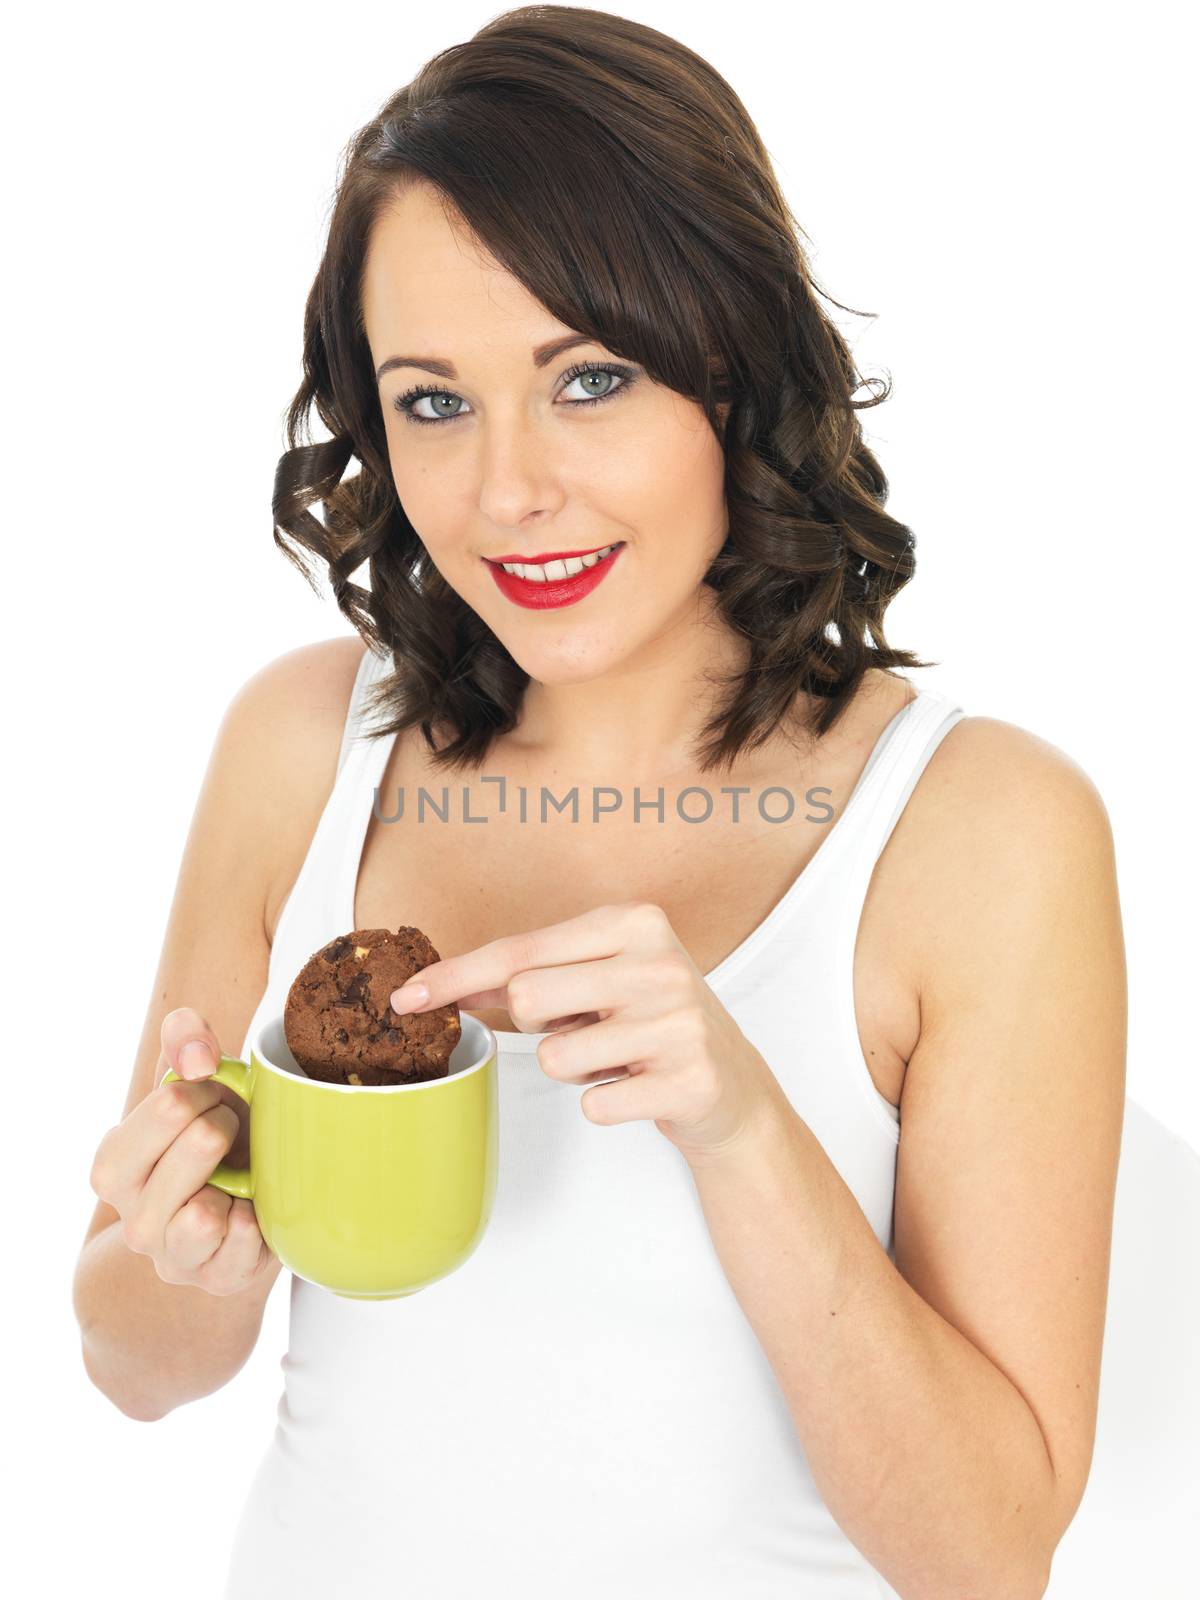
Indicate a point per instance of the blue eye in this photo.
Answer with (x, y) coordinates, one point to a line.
(405, 402)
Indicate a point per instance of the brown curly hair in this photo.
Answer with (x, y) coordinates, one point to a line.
(618, 177)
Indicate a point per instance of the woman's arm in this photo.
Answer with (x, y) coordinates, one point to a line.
(147, 1344)
(947, 1404)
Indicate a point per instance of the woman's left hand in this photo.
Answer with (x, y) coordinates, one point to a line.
(618, 994)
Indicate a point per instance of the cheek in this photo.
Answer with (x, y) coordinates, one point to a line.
(676, 489)
(658, 476)
(424, 495)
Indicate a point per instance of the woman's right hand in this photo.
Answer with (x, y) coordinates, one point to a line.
(153, 1168)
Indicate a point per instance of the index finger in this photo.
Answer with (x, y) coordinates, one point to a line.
(481, 977)
(129, 1153)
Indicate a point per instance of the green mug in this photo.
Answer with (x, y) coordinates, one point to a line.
(369, 1191)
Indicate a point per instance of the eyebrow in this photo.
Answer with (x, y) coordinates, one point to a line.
(542, 354)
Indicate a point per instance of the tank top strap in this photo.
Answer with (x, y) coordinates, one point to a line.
(827, 936)
(888, 780)
(370, 669)
(323, 893)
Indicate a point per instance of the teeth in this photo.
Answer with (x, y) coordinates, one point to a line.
(554, 570)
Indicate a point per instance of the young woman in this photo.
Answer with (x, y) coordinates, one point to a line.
(811, 1039)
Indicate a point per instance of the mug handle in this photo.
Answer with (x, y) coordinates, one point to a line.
(235, 1075)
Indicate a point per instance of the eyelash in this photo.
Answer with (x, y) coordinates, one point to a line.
(404, 402)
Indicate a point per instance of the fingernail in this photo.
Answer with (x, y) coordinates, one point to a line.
(409, 996)
(196, 1060)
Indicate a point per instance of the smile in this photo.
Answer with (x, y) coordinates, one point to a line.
(555, 583)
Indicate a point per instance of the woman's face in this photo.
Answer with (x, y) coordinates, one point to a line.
(507, 457)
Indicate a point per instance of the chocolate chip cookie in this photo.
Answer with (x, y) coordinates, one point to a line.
(338, 1019)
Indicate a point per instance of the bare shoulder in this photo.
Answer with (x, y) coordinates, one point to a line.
(312, 682)
(978, 750)
(290, 717)
(997, 811)
(1010, 781)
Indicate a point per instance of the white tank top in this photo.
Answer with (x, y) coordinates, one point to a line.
(582, 1408)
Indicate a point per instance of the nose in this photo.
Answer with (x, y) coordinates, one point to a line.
(518, 475)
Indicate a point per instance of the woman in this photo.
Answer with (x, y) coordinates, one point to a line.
(730, 1330)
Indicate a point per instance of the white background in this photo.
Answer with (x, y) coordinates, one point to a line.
(1004, 188)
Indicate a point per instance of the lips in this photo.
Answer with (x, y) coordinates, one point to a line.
(556, 591)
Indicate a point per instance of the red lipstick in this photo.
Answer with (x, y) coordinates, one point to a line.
(557, 591)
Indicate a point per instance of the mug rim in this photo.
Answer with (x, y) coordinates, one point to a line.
(489, 1039)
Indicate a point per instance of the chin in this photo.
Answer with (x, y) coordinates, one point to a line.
(579, 661)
